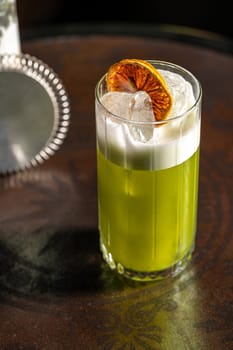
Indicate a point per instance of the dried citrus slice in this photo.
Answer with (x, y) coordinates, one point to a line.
(131, 75)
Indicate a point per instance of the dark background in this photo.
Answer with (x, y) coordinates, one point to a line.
(214, 17)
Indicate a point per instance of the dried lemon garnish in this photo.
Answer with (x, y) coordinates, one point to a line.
(131, 75)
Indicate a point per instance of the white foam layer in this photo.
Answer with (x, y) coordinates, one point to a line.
(168, 145)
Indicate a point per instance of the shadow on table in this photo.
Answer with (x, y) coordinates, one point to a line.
(55, 263)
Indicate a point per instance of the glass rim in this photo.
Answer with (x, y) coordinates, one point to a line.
(155, 122)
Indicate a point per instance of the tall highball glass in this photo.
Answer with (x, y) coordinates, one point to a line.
(148, 174)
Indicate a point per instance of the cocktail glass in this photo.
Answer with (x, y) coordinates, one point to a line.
(9, 28)
(148, 174)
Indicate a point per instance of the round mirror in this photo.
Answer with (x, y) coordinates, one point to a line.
(34, 112)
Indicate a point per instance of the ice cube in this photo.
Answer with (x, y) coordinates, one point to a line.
(135, 107)
(117, 103)
(181, 91)
(140, 110)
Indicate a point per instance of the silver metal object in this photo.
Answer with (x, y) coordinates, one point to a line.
(34, 112)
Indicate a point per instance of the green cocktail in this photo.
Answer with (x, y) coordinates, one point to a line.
(147, 197)
(147, 218)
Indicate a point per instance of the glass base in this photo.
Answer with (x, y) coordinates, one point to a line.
(145, 276)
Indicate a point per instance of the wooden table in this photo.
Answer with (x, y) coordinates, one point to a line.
(55, 291)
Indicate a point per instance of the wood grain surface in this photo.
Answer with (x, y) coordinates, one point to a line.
(55, 291)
